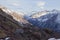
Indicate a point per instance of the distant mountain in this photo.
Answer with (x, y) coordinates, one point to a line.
(38, 14)
(46, 19)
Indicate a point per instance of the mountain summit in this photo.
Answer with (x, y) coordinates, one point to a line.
(47, 19)
(18, 16)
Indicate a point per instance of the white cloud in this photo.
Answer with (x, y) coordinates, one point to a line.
(41, 4)
(15, 4)
(42, 7)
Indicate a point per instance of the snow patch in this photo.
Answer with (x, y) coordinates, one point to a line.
(53, 39)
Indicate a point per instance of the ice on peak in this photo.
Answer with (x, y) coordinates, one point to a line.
(5, 9)
(39, 14)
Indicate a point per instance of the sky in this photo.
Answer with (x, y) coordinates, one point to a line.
(29, 6)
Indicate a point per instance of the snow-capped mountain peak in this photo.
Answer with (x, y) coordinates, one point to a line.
(42, 13)
(11, 11)
(18, 16)
(47, 19)
(5, 9)
(39, 14)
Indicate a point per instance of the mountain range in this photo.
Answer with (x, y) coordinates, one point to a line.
(46, 19)
(39, 26)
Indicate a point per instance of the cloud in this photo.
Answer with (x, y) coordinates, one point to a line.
(15, 4)
(41, 4)
(42, 7)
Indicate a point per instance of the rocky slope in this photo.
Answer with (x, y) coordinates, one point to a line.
(18, 16)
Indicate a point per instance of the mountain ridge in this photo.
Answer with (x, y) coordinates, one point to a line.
(18, 16)
(47, 20)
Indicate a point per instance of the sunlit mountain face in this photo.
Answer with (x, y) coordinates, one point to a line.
(46, 19)
(18, 16)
